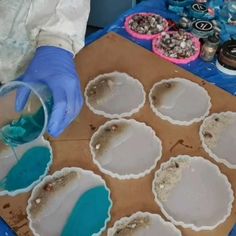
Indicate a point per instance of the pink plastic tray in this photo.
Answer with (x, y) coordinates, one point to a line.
(157, 39)
(142, 36)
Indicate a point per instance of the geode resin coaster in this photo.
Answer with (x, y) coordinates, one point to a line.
(125, 149)
(142, 224)
(115, 95)
(217, 134)
(20, 174)
(70, 202)
(176, 46)
(145, 25)
(179, 101)
(193, 193)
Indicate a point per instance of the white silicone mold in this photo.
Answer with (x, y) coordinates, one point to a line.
(193, 193)
(143, 223)
(179, 101)
(8, 160)
(115, 95)
(50, 217)
(217, 134)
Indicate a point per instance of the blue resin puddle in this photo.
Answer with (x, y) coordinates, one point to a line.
(26, 129)
(89, 214)
(27, 170)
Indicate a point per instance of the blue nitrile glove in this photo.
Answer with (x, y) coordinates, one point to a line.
(55, 67)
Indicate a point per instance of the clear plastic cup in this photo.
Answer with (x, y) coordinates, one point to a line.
(19, 128)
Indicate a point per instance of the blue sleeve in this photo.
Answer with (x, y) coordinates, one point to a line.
(5, 229)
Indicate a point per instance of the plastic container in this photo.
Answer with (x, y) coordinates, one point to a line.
(158, 51)
(29, 124)
(143, 36)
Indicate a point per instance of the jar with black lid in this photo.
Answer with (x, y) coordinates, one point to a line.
(227, 57)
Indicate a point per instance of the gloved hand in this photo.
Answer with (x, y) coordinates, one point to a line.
(55, 67)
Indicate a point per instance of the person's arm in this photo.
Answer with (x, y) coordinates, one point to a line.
(58, 27)
(60, 23)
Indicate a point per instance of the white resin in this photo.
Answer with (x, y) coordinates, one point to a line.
(202, 198)
(132, 154)
(183, 104)
(125, 96)
(222, 145)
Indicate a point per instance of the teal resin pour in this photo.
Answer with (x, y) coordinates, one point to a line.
(89, 214)
(27, 170)
(26, 128)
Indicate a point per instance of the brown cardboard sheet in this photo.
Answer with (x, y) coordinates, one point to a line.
(115, 53)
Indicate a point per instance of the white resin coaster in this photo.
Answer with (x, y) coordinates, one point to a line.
(193, 193)
(143, 224)
(115, 95)
(20, 173)
(179, 101)
(125, 149)
(70, 202)
(218, 136)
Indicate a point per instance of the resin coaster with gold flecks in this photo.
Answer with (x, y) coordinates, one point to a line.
(115, 95)
(218, 136)
(193, 193)
(142, 224)
(179, 101)
(125, 149)
(70, 202)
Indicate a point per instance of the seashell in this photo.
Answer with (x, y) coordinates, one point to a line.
(183, 44)
(201, 214)
(131, 138)
(119, 95)
(143, 223)
(80, 200)
(217, 134)
(177, 103)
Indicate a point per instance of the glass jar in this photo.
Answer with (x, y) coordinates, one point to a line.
(209, 48)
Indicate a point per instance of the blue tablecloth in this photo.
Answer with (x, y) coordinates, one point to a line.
(207, 71)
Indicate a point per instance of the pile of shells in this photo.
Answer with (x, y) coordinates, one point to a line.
(147, 24)
(177, 45)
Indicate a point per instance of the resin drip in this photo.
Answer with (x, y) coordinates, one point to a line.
(27, 170)
(89, 214)
(26, 128)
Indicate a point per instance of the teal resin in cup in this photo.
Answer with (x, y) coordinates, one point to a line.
(29, 124)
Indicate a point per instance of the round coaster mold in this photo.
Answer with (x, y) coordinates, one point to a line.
(143, 223)
(144, 36)
(53, 203)
(115, 95)
(217, 134)
(193, 193)
(125, 149)
(179, 101)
